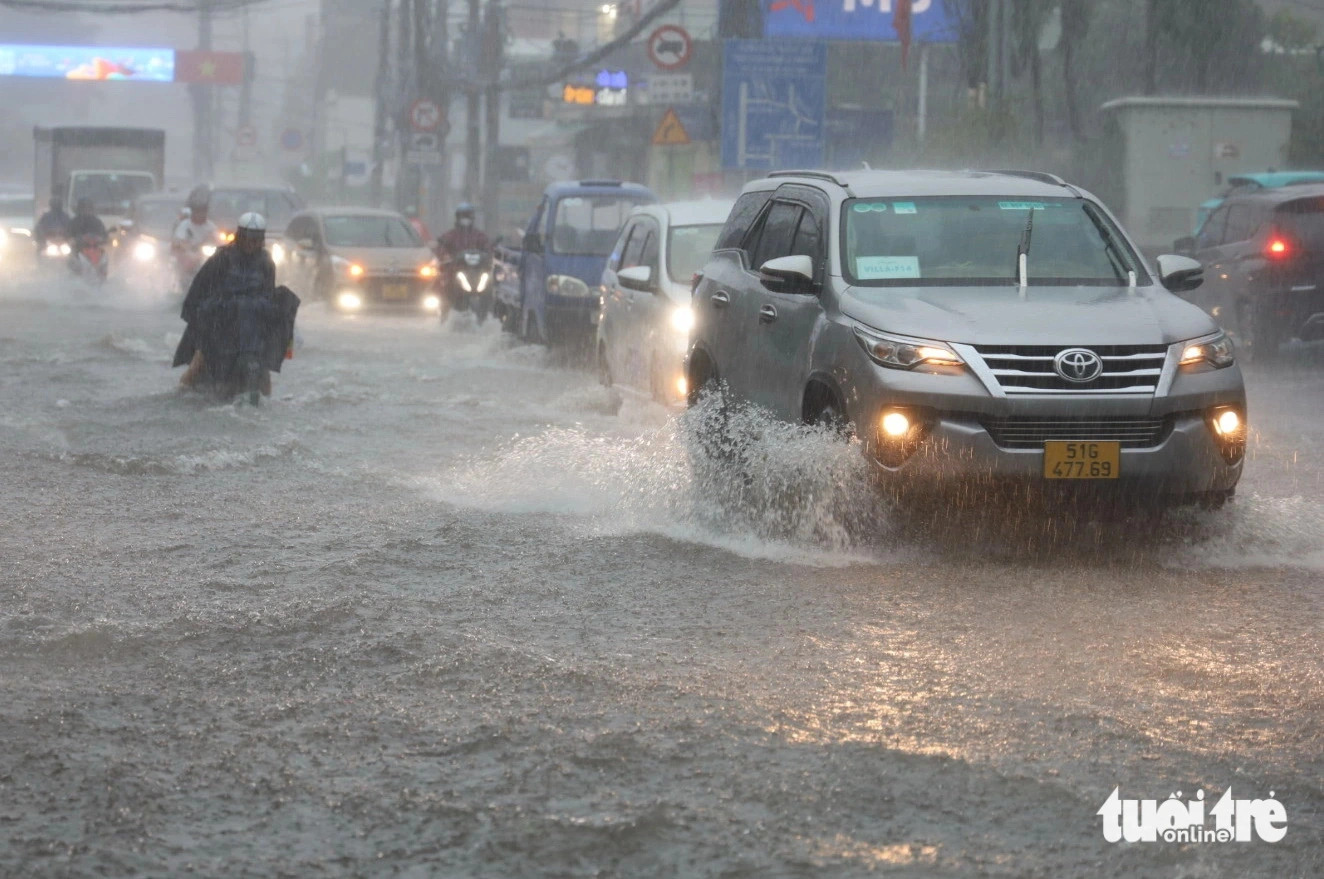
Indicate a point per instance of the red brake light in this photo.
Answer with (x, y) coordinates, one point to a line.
(1277, 248)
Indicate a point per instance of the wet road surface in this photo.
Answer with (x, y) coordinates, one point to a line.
(447, 607)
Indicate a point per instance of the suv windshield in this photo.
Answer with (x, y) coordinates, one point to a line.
(587, 225)
(370, 232)
(688, 248)
(971, 241)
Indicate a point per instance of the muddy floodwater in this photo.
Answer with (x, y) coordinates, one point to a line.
(446, 607)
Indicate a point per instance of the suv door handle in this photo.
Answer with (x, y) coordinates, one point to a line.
(767, 314)
(721, 299)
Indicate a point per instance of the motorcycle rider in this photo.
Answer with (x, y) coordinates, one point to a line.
(53, 224)
(86, 223)
(242, 268)
(192, 234)
(464, 236)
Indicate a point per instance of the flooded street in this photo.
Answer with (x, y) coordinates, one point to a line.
(445, 606)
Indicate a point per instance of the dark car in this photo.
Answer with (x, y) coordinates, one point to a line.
(1263, 255)
(229, 202)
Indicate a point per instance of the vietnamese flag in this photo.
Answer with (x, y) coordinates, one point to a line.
(212, 68)
(901, 24)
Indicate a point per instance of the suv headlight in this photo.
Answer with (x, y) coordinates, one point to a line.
(903, 352)
(1215, 350)
(682, 319)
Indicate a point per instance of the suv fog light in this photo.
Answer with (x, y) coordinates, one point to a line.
(349, 301)
(898, 435)
(895, 425)
(432, 303)
(1228, 425)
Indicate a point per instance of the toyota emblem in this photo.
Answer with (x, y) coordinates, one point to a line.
(1078, 365)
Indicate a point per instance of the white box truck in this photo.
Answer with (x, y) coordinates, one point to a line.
(111, 166)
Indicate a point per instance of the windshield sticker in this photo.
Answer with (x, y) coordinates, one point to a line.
(865, 207)
(877, 268)
(904, 207)
(1021, 205)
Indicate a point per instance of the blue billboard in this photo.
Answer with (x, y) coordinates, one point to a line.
(930, 21)
(773, 97)
(90, 63)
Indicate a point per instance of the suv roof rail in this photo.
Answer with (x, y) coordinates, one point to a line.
(600, 183)
(820, 175)
(1041, 176)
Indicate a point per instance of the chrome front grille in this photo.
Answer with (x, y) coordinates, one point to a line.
(1031, 432)
(1028, 369)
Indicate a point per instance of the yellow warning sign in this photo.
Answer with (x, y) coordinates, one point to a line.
(669, 131)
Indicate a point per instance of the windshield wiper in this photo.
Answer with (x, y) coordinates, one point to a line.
(1023, 251)
(1116, 257)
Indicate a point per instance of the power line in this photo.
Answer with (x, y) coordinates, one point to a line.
(114, 7)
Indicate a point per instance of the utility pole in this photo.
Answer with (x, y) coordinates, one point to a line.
(246, 88)
(473, 60)
(204, 136)
(493, 60)
(380, 114)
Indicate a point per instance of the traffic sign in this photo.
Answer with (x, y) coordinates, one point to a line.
(670, 47)
(425, 115)
(424, 149)
(773, 103)
(669, 131)
(931, 21)
(670, 88)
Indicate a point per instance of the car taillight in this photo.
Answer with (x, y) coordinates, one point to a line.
(1277, 248)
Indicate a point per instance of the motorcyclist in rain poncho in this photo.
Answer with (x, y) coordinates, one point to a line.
(239, 324)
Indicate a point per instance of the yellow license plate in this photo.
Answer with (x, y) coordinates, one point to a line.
(1075, 460)
(395, 291)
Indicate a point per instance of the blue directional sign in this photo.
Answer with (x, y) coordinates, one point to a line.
(773, 98)
(930, 21)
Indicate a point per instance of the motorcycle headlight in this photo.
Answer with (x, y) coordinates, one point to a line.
(209, 250)
(66, 249)
(1214, 351)
(52, 250)
(278, 253)
(144, 251)
(903, 352)
(464, 282)
(682, 319)
(483, 280)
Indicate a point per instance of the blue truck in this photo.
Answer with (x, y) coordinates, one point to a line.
(548, 288)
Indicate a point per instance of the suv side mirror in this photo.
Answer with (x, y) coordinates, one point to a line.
(789, 274)
(1184, 246)
(636, 278)
(1180, 274)
(533, 242)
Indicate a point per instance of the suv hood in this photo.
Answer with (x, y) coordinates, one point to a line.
(1044, 316)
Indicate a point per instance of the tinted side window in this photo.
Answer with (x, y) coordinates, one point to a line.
(632, 256)
(651, 247)
(743, 215)
(618, 251)
(300, 228)
(778, 233)
(1240, 223)
(808, 241)
(1212, 233)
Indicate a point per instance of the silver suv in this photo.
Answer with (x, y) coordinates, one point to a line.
(996, 325)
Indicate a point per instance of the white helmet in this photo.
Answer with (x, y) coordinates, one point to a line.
(253, 222)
